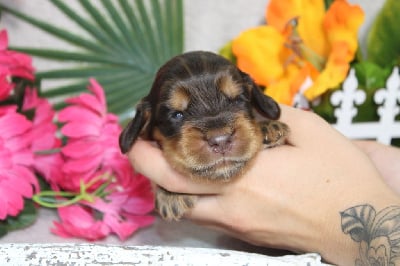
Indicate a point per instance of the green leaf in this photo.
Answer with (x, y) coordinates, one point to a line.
(226, 51)
(328, 3)
(383, 42)
(3, 229)
(371, 77)
(26, 218)
(89, 27)
(61, 33)
(325, 108)
(80, 72)
(124, 44)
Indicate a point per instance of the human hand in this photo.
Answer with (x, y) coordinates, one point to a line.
(386, 159)
(292, 195)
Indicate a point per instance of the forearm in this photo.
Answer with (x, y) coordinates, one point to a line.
(386, 160)
(365, 234)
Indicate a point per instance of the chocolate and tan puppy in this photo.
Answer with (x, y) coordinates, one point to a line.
(210, 120)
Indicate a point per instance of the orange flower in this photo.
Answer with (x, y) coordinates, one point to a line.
(301, 41)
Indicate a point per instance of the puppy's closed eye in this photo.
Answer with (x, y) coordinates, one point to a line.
(205, 114)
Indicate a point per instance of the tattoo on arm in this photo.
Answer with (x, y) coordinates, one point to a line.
(378, 234)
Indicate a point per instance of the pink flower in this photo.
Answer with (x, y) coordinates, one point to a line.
(92, 137)
(45, 145)
(5, 85)
(12, 64)
(79, 221)
(126, 207)
(123, 212)
(92, 156)
(17, 180)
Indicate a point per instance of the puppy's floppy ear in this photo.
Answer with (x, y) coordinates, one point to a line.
(136, 127)
(264, 104)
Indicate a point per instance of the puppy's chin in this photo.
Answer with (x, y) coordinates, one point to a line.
(222, 170)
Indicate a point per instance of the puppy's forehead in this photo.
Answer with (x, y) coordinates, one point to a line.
(197, 77)
(204, 89)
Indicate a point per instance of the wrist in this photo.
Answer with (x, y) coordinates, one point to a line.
(363, 234)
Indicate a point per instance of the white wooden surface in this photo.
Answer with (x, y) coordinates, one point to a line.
(95, 254)
(18, 247)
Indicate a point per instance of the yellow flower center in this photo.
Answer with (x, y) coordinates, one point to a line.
(299, 51)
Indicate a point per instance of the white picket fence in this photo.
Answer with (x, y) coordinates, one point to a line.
(388, 100)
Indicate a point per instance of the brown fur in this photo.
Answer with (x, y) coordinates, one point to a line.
(202, 111)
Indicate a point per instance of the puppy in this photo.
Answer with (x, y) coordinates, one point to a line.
(210, 120)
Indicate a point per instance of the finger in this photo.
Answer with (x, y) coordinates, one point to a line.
(305, 126)
(148, 160)
(210, 211)
(207, 210)
(369, 147)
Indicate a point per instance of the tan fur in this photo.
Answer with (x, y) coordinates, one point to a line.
(228, 86)
(179, 99)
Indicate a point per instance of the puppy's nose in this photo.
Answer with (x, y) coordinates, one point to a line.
(220, 143)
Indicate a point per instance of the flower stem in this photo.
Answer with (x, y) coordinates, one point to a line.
(57, 199)
(47, 152)
(51, 199)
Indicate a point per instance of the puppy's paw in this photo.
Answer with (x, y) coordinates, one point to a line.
(275, 133)
(173, 206)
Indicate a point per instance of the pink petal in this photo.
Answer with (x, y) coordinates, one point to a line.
(79, 130)
(3, 209)
(121, 228)
(59, 230)
(83, 148)
(79, 222)
(5, 87)
(78, 113)
(44, 139)
(18, 64)
(16, 185)
(88, 101)
(44, 113)
(96, 88)
(76, 215)
(13, 200)
(29, 178)
(139, 206)
(31, 99)
(141, 221)
(49, 166)
(4, 110)
(23, 157)
(82, 165)
(3, 40)
(5, 158)
(13, 124)
(19, 143)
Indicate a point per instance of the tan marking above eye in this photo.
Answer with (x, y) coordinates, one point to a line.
(179, 99)
(228, 86)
